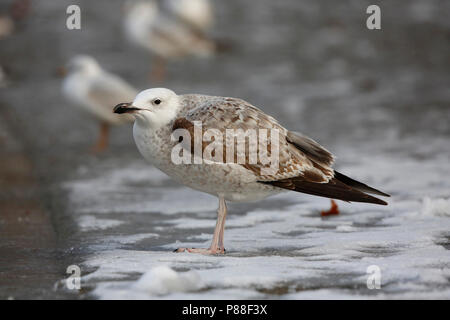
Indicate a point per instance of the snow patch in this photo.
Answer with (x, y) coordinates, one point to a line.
(163, 280)
(436, 207)
(90, 223)
(131, 239)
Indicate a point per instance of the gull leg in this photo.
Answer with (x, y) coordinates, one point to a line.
(334, 210)
(158, 71)
(102, 141)
(217, 243)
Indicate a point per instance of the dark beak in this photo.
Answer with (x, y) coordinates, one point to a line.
(124, 108)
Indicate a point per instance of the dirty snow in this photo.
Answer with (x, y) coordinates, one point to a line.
(286, 252)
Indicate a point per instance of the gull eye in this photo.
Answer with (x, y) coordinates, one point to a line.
(157, 101)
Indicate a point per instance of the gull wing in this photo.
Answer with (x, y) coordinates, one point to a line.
(304, 165)
(230, 113)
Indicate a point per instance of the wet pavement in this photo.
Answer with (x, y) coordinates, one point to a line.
(377, 99)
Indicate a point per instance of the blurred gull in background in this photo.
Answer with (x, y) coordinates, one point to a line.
(170, 29)
(97, 91)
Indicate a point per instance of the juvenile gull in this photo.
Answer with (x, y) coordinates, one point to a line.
(304, 165)
(94, 90)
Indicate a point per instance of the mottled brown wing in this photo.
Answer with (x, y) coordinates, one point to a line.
(230, 113)
(311, 148)
(304, 165)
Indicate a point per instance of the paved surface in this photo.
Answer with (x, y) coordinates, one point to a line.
(30, 258)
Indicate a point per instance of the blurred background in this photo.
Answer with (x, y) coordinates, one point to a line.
(364, 94)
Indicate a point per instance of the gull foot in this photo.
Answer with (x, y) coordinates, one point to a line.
(334, 210)
(201, 250)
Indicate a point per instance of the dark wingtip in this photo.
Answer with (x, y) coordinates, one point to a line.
(334, 189)
(378, 201)
(369, 199)
(358, 185)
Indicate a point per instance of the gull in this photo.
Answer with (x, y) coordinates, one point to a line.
(95, 90)
(170, 29)
(303, 164)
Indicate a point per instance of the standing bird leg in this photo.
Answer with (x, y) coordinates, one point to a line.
(334, 210)
(217, 245)
(217, 241)
(158, 71)
(102, 141)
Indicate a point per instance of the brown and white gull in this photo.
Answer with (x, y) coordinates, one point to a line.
(168, 125)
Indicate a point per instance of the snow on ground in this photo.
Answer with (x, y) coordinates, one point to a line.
(436, 207)
(288, 252)
(88, 223)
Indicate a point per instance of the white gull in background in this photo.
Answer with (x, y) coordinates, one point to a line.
(170, 29)
(304, 165)
(95, 90)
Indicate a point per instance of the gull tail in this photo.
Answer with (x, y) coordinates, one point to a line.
(340, 187)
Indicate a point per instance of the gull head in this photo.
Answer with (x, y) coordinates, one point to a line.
(152, 107)
(83, 64)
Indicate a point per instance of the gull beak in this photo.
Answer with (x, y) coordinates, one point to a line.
(124, 108)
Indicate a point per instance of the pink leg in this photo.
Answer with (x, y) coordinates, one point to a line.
(217, 244)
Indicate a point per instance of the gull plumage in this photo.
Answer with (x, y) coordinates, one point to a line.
(303, 166)
(95, 90)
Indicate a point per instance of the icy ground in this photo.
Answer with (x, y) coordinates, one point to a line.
(279, 248)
